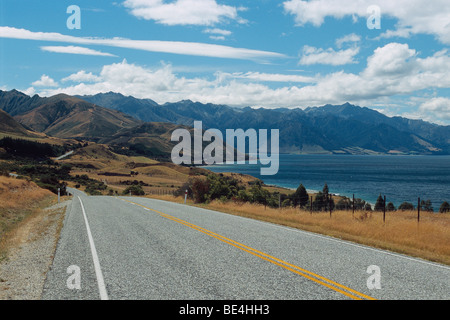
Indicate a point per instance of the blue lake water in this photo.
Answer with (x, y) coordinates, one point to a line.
(400, 178)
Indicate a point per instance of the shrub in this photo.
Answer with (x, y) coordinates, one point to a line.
(406, 206)
(445, 207)
(136, 190)
(200, 190)
(390, 207)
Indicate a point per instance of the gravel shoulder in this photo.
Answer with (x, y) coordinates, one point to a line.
(30, 254)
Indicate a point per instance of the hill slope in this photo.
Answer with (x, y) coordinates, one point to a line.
(9, 126)
(69, 117)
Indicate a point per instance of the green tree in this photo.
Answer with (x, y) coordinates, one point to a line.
(379, 205)
(136, 190)
(445, 207)
(359, 204)
(344, 204)
(406, 206)
(426, 205)
(390, 207)
(300, 197)
(200, 190)
(243, 196)
(325, 191)
(286, 203)
(319, 203)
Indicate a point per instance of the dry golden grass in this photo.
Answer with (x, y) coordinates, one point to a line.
(429, 239)
(18, 200)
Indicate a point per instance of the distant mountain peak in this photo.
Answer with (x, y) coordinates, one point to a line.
(341, 129)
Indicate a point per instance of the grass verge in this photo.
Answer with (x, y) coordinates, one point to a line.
(19, 200)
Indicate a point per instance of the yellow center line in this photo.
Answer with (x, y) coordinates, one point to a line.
(286, 265)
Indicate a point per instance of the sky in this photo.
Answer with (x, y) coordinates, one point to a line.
(391, 56)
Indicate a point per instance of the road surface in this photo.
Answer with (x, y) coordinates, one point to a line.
(136, 248)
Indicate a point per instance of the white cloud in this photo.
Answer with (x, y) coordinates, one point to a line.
(218, 31)
(312, 55)
(82, 76)
(76, 50)
(394, 59)
(45, 81)
(217, 34)
(350, 38)
(30, 91)
(174, 47)
(217, 37)
(183, 12)
(414, 16)
(272, 77)
(436, 108)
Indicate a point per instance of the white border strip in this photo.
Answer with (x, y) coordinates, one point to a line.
(98, 270)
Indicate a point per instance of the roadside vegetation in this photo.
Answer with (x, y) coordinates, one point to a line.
(18, 200)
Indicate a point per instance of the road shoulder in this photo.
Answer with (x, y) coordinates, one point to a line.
(31, 252)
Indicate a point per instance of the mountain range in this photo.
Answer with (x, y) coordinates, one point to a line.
(342, 129)
(121, 121)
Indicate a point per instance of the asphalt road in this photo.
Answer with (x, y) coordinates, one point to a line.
(137, 248)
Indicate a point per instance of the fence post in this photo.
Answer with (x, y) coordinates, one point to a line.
(310, 205)
(329, 203)
(384, 210)
(418, 209)
(353, 213)
(279, 201)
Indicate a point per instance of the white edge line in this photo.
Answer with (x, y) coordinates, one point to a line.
(98, 270)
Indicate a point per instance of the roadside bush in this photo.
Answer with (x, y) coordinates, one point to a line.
(136, 190)
(390, 207)
(445, 207)
(405, 206)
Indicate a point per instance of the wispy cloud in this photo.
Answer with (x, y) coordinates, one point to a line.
(272, 77)
(174, 47)
(350, 38)
(183, 12)
(312, 55)
(76, 50)
(217, 34)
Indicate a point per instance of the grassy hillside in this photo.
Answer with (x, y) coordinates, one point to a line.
(10, 127)
(68, 117)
